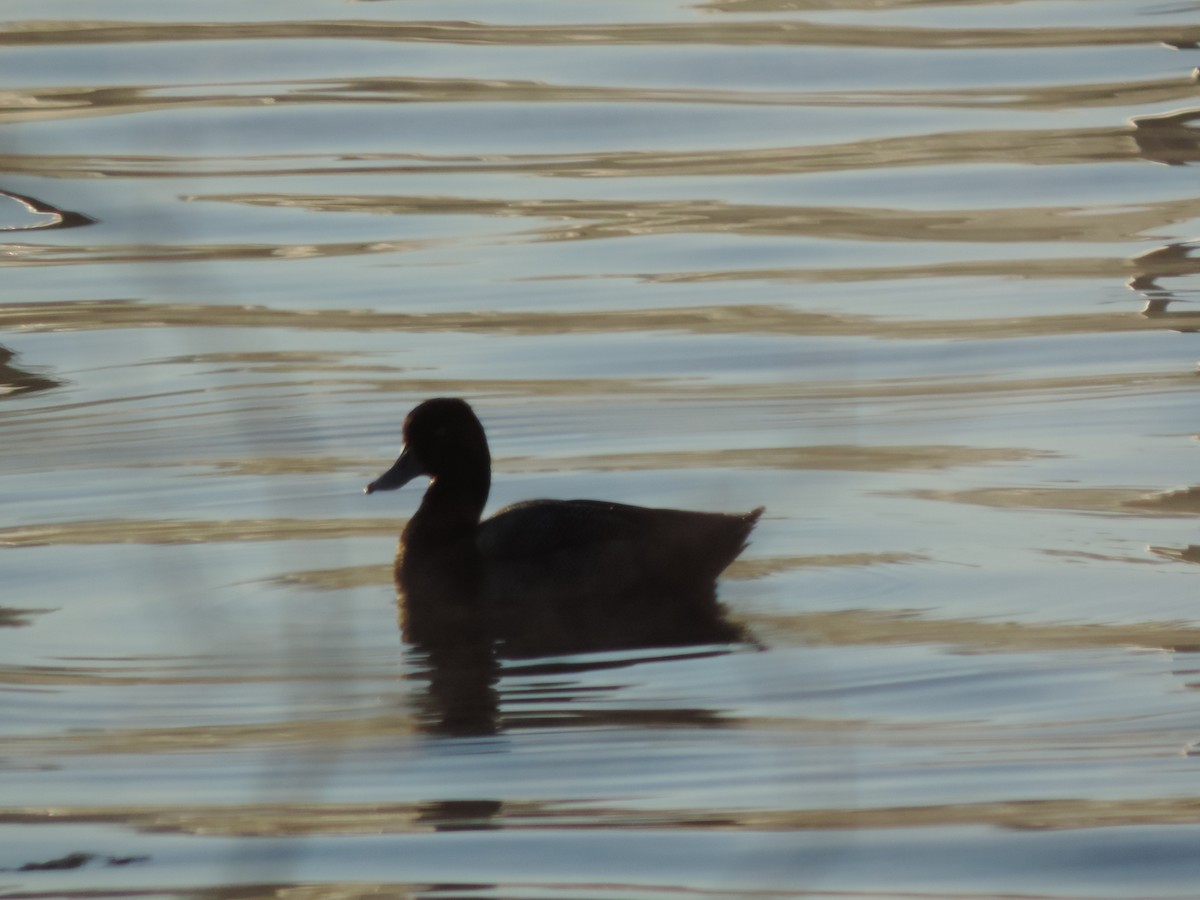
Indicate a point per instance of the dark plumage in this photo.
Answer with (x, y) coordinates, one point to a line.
(548, 576)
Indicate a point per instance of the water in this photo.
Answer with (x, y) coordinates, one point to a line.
(916, 276)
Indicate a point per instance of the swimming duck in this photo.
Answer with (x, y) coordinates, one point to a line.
(546, 576)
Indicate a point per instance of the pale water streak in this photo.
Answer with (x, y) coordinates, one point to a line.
(916, 275)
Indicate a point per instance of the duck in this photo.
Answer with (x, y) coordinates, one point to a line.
(547, 576)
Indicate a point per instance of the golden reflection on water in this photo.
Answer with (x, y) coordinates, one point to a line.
(86, 315)
(726, 33)
(1116, 501)
(756, 567)
(625, 218)
(66, 103)
(1081, 146)
(865, 626)
(367, 819)
(160, 531)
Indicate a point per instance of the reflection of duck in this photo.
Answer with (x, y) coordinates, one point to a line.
(547, 576)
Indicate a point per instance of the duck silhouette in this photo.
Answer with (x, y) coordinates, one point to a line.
(546, 576)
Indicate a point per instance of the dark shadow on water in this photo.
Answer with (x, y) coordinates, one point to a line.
(461, 815)
(1172, 139)
(14, 381)
(1174, 260)
(1188, 554)
(461, 698)
(462, 656)
(11, 617)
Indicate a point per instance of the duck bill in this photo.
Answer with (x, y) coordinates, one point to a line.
(406, 468)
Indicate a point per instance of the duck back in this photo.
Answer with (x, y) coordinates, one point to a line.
(666, 546)
(585, 575)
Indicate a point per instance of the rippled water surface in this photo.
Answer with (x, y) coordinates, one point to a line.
(916, 275)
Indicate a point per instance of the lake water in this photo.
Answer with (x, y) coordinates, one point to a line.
(916, 275)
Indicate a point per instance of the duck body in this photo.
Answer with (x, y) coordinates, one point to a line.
(548, 576)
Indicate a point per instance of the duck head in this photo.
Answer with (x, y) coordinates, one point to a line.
(444, 440)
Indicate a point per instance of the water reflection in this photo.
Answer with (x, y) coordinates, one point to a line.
(1171, 138)
(461, 675)
(460, 815)
(1190, 553)
(53, 217)
(16, 618)
(748, 33)
(460, 648)
(860, 293)
(15, 381)
(1169, 261)
(464, 693)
